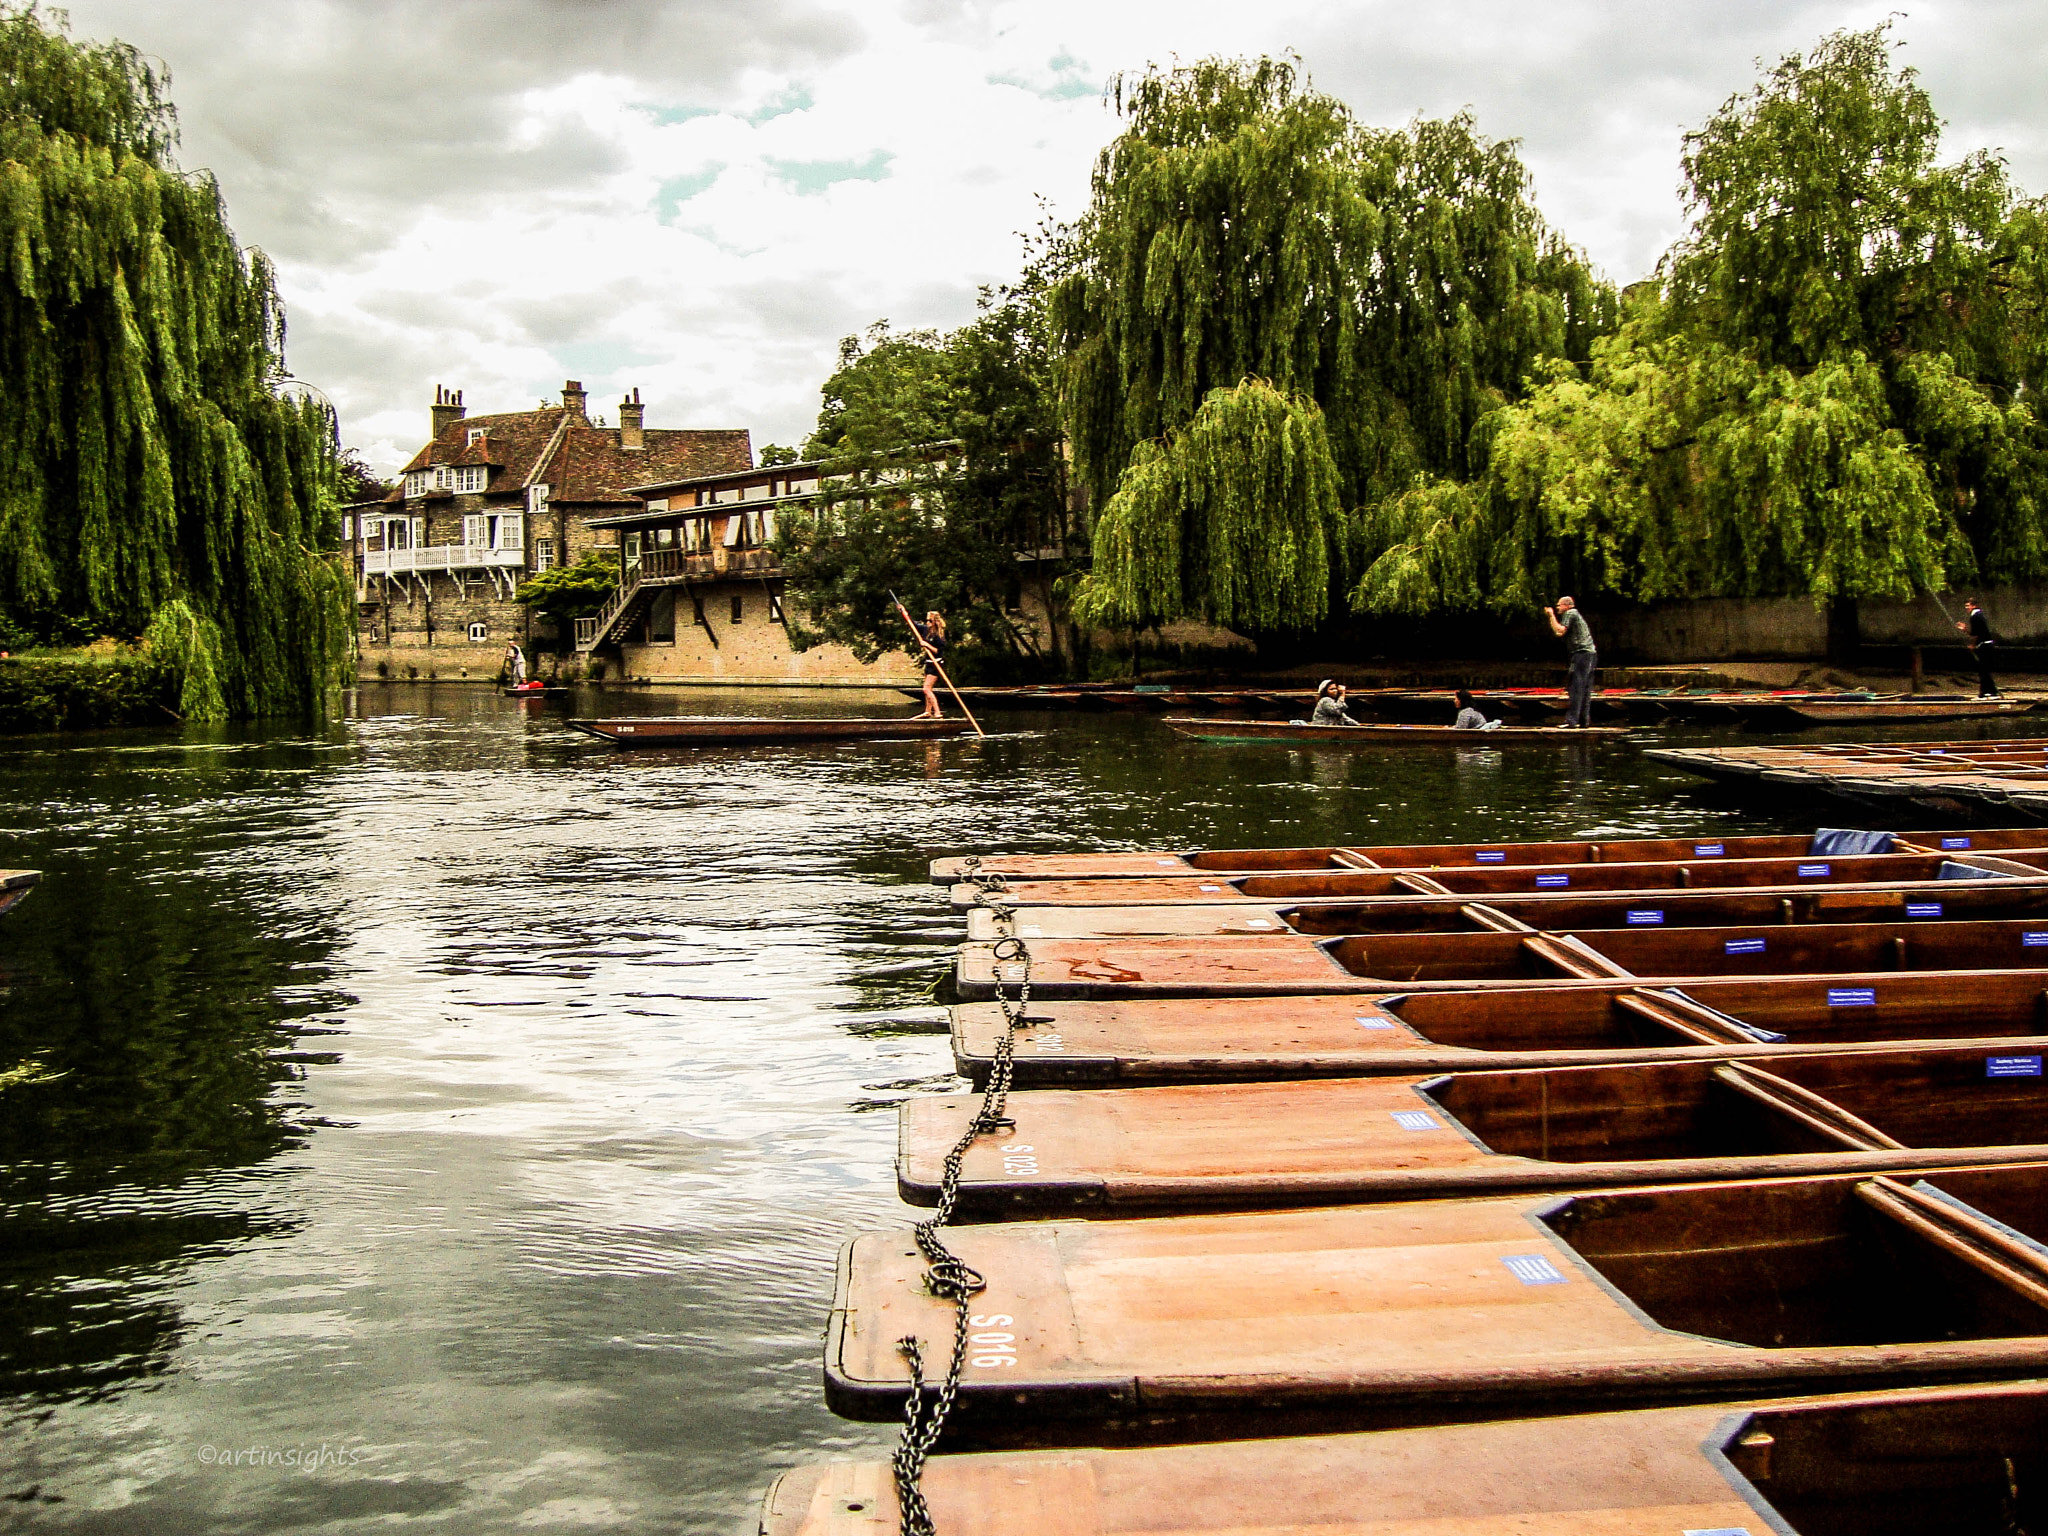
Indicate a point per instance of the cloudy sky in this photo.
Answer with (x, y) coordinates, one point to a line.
(700, 197)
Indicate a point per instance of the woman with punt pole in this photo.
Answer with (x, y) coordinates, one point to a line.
(931, 634)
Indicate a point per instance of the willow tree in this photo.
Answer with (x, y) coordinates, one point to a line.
(1244, 226)
(161, 478)
(1827, 390)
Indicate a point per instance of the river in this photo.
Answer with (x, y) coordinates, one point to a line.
(453, 1118)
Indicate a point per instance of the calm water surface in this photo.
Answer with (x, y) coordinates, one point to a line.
(474, 1112)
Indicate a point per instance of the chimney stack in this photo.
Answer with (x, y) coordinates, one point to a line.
(574, 398)
(447, 408)
(630, 435)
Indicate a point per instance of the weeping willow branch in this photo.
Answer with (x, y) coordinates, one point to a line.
(1232, 520)
(154, 474)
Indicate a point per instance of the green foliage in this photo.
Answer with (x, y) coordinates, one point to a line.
(152, 452)
(775, 453)
(79, 690)
(1232, 519)
(942, 466)
(189, 646)
(1827, 392)
(566, 593)
(1245, 226)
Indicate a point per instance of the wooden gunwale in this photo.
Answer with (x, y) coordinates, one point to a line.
(1857, 902)
(1431, 857)
(1354, 737)
(1354, 1317)
(737, 730)
(1150, 1151)
(1662, 1470)
(1133, 1042)
(15, 884)
(1803, 872)
(1256, 964)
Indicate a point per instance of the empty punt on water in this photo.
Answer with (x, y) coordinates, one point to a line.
(1366, 737)
(1252, 965)
(1964, 1461)
(1561, 910)
(1193, 1040)
(1350, 1317)
(1261, 1145)
(747, 731)
(1484, 882)
(1838, 842)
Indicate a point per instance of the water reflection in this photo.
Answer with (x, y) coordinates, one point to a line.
(543, 1231)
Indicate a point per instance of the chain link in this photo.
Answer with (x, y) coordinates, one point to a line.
(947, 1275)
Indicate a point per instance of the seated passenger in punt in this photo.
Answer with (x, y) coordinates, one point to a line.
(1469, 717)
(1330, 708)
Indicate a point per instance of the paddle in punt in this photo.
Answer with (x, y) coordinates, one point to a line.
(15, 884)
(1963, 1461)
(1223, 1040)
(1213, 866)
(1353, 737)
(1249, 965)
(747, 731)
(1982, 895)
(1357, 1317)
(1254, 1146)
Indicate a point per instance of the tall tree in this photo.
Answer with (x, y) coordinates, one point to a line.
(1245, 227)
(160, 474)
(1826, 391)
(942, 480)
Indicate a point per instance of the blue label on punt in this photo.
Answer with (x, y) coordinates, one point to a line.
(1638, 916)
(1923, 909)
(1852, 997)
(1416, 1120)
(1744, 946)
(1533, 1269)
(2012, 1066)
(2034, 940)
(1813, 869)
(1370, 1021)
(1552, 880)
(1955, 842)
(1494, 856)
(1708, 850)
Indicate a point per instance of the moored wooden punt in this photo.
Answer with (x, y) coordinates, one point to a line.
(536, 691)
(1194, 1040)
(1903, 707)
(2007, 779)
(1555, 910)
(1252, 1146)
(1351, 1317)
(1966, 1461)
(1431, 857)
(1355, 737)
(1254, 964)
(739, 731)
(15, 884)
(1487, 880)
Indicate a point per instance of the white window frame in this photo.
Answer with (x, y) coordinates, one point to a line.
(537, 498)
(480, 633)
(474, 531)
(733, 530)
(418, 482)
(475, 433)
(508, 531)
(543, 555)
(470, 479)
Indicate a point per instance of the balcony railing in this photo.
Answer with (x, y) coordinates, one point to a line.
(441, 557)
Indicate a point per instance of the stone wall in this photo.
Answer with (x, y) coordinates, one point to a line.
(1796, 628)
(429, 636)
(755, 649)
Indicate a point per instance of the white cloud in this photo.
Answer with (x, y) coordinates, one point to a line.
(699, 197)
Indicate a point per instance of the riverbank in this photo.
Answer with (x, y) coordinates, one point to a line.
(85, 688)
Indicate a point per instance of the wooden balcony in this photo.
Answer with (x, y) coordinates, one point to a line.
(441, 557)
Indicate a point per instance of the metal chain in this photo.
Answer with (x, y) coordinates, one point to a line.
(947, 1275)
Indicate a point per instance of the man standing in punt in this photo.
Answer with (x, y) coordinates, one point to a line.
(1983, 648)
(1570, 626)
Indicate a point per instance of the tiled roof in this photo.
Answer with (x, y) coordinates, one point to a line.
(583, 464)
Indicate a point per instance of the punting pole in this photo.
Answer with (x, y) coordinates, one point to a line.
(932, 657)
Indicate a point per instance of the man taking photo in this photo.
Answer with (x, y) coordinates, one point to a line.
(1570, 626)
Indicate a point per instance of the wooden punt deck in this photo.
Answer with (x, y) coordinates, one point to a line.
(1248, 965)
(15, 884)
(1491, 880)
(2006, 779)
(748, 731)
(1353, 738)
(1157, 1151)
(1432, 857)
(1208, 1040)
(1882, 1464)
(1354, 1317)
(1867, 902)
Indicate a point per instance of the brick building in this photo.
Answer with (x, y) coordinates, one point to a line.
(490, 500)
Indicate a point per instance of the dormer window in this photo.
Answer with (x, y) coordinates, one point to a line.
(475, 433)
(470, 478)
(419, 482)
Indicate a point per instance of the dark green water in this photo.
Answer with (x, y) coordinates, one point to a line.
(475, 1113)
